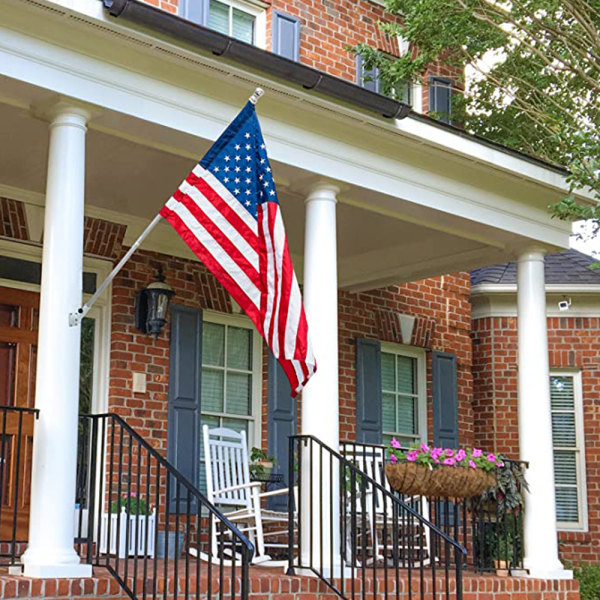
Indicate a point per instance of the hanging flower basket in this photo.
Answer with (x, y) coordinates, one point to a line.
(439, 472)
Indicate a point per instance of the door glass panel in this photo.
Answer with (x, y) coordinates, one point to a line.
(8, 355)
(86, 369)
(9, 315)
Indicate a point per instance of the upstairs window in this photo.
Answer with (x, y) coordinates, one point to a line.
(371, 80)
(232, 21)
(567, 441)
(440, 98)
(234, 18)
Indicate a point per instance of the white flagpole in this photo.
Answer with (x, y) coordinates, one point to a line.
(75, 317)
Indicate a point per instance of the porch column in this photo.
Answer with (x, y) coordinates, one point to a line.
(535, 423)
(50, 552)
(320, 410)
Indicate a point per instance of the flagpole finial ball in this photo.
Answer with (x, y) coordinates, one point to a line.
(258, 92)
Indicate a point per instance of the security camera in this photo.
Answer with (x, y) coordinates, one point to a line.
(564, 304)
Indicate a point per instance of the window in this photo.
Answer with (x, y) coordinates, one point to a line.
(370, 80)
(231, 20)
(567, 440)
(440, 98)
(231, 378)
(403, 386)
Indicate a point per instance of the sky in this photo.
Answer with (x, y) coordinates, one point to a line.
(588, 245)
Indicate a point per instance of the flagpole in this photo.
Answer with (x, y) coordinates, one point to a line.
(75, 318)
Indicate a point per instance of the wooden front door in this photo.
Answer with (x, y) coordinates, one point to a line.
(18, 354)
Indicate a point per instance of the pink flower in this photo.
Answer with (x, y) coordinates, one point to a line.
(412, 456)
(449, 452)
(472, 464)
(449, 461)
(393, 459)
(491, 457)
(133, 494)
(424, 447)
(395, 443)
(499, 463)
(477, 452)
(436, 453)
(436, 460)
(461, 455)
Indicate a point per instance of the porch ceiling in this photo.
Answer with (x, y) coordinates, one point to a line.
(132, 167)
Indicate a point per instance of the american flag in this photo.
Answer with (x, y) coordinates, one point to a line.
(226, 210)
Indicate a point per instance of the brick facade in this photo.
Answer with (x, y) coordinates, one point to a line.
(574, 342)
(328, 28)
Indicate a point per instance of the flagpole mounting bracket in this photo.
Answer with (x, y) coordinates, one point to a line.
(258, 92)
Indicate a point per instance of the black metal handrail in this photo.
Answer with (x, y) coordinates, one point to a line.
(384, 542)
(491, 532)
(165, 551)
(15, 472)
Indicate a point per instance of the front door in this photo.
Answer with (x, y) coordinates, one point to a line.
(18, 354)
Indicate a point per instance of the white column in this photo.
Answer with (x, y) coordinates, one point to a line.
(535, 424)
(320, 405)
(50, 552)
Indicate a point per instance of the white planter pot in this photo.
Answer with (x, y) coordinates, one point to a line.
(132, 543)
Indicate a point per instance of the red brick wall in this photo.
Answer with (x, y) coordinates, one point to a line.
(573, 342)
(329, 27)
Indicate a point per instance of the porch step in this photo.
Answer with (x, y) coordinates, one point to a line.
(271, 584)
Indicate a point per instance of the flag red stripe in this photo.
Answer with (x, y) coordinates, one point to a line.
(239, 294)
(219, 235)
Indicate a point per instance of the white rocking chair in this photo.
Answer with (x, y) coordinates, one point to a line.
(380, 509)
(228, 485)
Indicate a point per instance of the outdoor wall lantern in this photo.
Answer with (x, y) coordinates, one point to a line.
(152, 306)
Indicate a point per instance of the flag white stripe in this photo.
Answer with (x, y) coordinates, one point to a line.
(208, 208)
(227, 197)
(299, 372)
(293, 319)
(217, 251)
(273, 342)
(278, 242)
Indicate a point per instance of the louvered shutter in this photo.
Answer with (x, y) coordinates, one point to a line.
(195, 11)
(368, 392)
(286, 36)
(564, 439)
(445, 400)
(185, 369)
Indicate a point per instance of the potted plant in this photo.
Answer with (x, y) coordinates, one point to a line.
(261, 464)
(503, 551)
(440, 472)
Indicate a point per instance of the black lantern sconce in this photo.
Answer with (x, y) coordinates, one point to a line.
(152, 306)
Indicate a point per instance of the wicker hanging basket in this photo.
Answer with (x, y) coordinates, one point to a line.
(441, 482)
(409, 478)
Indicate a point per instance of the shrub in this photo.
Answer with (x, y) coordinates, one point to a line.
(589, 581)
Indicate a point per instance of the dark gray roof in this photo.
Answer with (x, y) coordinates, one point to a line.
(565, 267)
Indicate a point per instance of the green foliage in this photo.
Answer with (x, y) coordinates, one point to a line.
(589, 581)
(258, 456)
(536, 83)
(132, 503)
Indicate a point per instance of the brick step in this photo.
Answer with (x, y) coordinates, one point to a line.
(271, 584)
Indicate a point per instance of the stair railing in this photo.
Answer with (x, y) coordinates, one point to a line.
(361, 539)
(142, 520)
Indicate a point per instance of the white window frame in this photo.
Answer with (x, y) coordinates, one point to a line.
(420, 355)
(258, 11)
(255, 420)
(582, 524)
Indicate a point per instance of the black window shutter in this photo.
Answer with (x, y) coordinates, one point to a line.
(368, 392)
(185, 370)
(282, 423)
(194, 10)
(286, 36)
(440, 98)
(367, 78)
(445, 400)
